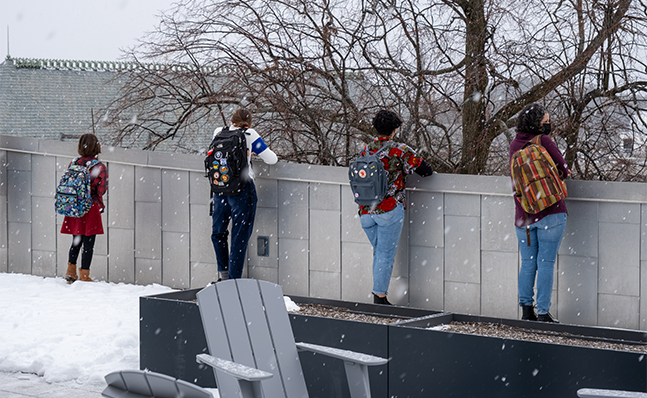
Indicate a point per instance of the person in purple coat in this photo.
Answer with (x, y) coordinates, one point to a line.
(544, 229)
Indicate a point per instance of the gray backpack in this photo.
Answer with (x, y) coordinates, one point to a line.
(368, 180)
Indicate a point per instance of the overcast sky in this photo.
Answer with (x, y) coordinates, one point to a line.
(89, 30)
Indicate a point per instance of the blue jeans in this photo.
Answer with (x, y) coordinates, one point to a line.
(240, 210)
(538, 259)
(383, 231)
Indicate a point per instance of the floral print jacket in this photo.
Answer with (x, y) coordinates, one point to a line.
(399, 160)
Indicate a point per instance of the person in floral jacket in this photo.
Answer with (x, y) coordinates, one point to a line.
(84, 230)
(383, 222)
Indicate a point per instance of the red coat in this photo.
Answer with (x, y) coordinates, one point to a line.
(90, 224)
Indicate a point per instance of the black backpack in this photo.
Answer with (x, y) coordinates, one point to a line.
(368, 180)
(226, 164)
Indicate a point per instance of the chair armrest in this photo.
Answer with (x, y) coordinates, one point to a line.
(596, 393)
(344, 355)
(239, 371)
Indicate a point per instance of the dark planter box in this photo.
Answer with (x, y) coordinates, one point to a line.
(171, 334)
(423, 362)
(446, 364)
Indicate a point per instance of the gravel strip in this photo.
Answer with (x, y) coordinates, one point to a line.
(477, 328)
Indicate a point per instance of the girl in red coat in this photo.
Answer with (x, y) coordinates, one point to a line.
(85, 229)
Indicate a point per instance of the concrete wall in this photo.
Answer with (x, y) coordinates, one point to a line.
(458, 250)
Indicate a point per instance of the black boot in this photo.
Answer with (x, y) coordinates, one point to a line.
(528, 313)
(380, 300)
(546, 318)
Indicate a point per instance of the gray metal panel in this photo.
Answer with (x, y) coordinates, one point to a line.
(426, 282)
(3, 173)
(619, 259)
(325, 242)
(351, 228)
(325, 284)
(179, 160)
(628, 213)
(426, 224)
(293, 270)
(19, 196)
(19, 161)
(201, 244)
(618, 311)
(43, 224)
(581, 233)
(497, 224)
(267, 191)
(258, 328)
(462, 249)
(293, 210)
(462, 205)
(464, 298)
(265, 224)
(44, 263)
(325, 197)
(121, 189)
(216, 336)
(148, 271)
(577, 286)
(175, 260)
(203, 273)
(148, 184)
(19, 248)
(148, 224)
(43, 178)
(356, 272)
(199, 188)
(286, 351)
(499, 284)
(175, 204)
(643, 295)
(122, 262)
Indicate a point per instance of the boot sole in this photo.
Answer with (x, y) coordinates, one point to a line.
(70, 280)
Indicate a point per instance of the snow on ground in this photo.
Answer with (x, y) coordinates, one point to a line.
(78, 332)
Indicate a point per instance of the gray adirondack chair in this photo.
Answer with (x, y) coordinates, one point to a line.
(144, 384)
(252, 347)
(597, 393)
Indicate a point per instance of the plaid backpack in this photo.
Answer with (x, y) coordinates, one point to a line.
(73, 192)
(368, 180)
(535, 178)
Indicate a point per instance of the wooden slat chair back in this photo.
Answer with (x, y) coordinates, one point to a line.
(252, 346)
(246, 322)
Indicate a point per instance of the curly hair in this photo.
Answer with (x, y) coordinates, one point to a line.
(529, 120)
(386, 121)
(89, 145)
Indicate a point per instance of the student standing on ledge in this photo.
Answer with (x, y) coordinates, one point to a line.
(544, 229)
(240, 209)
(383, 223)
(84, 230)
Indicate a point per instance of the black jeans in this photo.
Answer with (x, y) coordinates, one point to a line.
(88, 250)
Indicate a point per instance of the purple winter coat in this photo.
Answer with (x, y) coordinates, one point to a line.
(521, 218)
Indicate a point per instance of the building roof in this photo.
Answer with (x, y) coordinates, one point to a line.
(53, 100)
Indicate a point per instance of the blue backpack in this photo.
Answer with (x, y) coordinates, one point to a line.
(73, 197)
(368, 180)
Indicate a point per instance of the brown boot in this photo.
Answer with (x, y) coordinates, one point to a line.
(85, 275)
(70, 275)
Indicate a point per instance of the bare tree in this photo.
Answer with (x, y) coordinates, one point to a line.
(458, 71)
